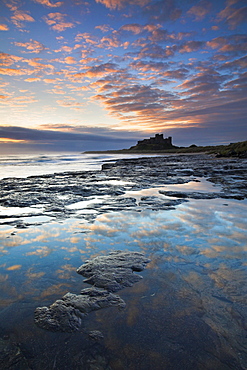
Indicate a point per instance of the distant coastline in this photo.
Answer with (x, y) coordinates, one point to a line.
(238, 149)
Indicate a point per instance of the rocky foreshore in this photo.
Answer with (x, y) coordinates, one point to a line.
(188, 311)
(60, 195)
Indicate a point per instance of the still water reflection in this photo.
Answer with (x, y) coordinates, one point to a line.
(188, 312)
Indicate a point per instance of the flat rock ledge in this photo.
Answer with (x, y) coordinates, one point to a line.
(107, 274)
(115, 271)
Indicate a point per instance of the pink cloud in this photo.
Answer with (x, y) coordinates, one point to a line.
(200, 10)
(95, 71)
(191, 46)
(134, 28)
(19, 17)
(162, 10)
(236, 44)
(233, 16)
(48, 3)
(70, 103)
(237, 17)
(149, 66)
(119, 4)
(111, 41)
(104, 28)
(57, 22)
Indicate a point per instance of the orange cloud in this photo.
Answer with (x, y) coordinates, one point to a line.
(32, 79)
(67, 49)
(32, 46)
(57, 90)
(13, 71)
(57, 22)
(3, 27)
(14, 267)
(37, 65)
(48, 3)
(8, 60)
(69, 60)
(19, 17)
(8, 141)
(50, 80)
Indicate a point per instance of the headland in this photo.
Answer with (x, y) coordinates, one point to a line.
(160, 145)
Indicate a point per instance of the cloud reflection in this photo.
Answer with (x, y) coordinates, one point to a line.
(14, 267)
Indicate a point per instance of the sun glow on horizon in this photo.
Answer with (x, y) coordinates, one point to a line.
(4, 140)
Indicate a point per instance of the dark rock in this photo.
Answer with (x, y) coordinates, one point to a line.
(156, 203)
(66, 313)
(112, 272)
(115, 271)
(96, 335)
(58, 317)
(191, 195)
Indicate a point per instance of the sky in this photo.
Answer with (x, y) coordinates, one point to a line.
(94, 75)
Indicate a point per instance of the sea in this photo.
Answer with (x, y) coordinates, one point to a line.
(25, 165)
(188, 311)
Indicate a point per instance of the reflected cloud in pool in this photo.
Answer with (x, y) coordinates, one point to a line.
(192, 294)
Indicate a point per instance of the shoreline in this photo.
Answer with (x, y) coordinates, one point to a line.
(156, 153)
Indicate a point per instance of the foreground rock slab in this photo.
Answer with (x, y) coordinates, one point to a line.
(115, 271)
(111, 273)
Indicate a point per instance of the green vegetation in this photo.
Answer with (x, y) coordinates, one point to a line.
(232, 150)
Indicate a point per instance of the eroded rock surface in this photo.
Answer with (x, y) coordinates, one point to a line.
(115, 271)
(102, 191)
(66, 313)
(112, 273)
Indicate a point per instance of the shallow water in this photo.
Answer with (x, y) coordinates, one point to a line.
(188, 311)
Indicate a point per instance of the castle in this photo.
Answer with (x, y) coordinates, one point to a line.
(158, 142)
